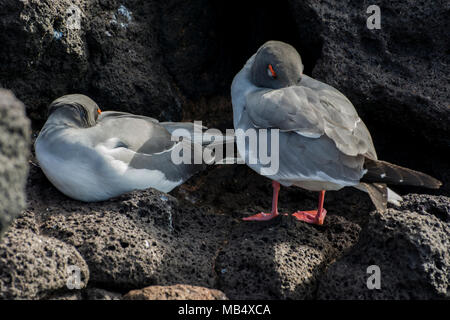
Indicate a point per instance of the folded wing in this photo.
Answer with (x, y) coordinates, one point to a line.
(312, 109)
(144, 143)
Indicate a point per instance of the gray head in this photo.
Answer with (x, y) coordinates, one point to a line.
(78, 107)
(277, 65)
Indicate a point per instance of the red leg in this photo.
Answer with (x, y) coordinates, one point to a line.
(267, 216)
(313, 216)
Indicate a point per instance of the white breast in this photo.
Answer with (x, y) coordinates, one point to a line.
(93, 174)
(75, 178)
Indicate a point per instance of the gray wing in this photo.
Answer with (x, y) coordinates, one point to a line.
(137, 133)
(312, 109)
(143, 143)
(316, 160)
(300, 158)
(118, 114)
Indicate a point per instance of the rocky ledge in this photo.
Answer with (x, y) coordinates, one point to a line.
(151, 239)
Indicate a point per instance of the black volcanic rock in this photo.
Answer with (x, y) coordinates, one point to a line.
(411, 247)
(397, 76)
(33, 266)
(114, 56)
(282, 259)
(14, 152)
(132, 241)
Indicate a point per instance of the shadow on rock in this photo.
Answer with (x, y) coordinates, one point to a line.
(282, 258)
(410, 245)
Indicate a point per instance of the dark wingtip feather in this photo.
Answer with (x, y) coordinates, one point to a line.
(436, 184)
(382, 171)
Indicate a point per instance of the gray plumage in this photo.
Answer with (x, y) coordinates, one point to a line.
(93, 157)
(304, 114)
(323, 144)
(283, 58)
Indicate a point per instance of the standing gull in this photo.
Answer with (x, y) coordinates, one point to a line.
(323, 144)
(90, 155)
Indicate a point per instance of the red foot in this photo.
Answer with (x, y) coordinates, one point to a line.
(268, 216)
(261, 217)
(311, 216)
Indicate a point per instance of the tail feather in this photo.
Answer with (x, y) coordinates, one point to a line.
(385, 172)
(393, 197)
(378, 193)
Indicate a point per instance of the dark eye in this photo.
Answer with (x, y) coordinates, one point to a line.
(271, 72)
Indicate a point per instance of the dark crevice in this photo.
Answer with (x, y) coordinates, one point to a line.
(243, 27)
(204, 50)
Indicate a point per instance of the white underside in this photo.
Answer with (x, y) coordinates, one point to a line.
(318, 185)
(98, 177)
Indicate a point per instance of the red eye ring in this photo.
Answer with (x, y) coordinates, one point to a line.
(274, 74)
